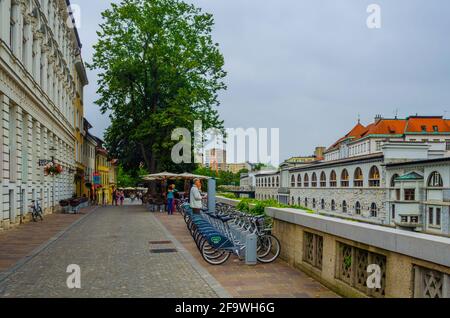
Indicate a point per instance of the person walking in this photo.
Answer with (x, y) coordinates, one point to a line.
(170, 199)
(195, 198)
(122, 198)
(114, 197)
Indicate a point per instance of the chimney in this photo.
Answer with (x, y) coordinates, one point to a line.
(378, 118)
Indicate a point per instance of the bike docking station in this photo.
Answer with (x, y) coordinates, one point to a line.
(247, 239)
(220, 230)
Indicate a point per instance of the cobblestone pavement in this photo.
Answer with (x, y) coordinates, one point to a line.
(274, 280)
(112, 247)
(20, 242)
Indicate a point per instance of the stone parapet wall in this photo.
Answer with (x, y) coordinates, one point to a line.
(338, 252)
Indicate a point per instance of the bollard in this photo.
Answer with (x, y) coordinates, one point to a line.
(212, 195)
(250, 249)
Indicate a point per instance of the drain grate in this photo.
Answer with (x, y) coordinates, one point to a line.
(160, 242)
(164, 250)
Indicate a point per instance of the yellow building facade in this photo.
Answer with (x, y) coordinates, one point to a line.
(105, 175)
(79, 132)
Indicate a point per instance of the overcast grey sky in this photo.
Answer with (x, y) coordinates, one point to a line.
(309, 67)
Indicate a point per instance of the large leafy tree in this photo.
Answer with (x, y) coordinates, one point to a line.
(159, 69)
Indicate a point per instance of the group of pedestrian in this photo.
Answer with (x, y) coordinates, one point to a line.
(118, 197)
(195, 197)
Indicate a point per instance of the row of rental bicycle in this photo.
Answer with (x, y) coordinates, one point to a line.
(221, 233)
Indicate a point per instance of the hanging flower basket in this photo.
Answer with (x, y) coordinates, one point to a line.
(53, 169)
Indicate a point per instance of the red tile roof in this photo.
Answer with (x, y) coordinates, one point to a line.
(382, 126)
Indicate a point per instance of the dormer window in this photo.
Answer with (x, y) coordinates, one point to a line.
(435, 128)
(424, 128)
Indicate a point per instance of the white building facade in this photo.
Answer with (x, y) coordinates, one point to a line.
(419, 195)
(391, 188)
(38, 53)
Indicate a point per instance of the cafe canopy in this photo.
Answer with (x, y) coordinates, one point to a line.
(172, 176)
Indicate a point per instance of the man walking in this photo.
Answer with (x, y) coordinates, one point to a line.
(196, 197)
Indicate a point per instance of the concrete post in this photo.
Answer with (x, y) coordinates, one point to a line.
(212, 195)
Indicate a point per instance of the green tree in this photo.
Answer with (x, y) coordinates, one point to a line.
(131, 178)
(159, 69)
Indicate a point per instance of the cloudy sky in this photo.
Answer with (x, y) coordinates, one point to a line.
(311, 67)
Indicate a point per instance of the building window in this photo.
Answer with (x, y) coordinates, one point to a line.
(333, 205)
(345, 178)
(374, 177)
(358, 208)
(292, 201)
(447, 145)
(314, 180)
(435, 180)
(273, 182)
(344, 206)
(323, 180)
(397, 194)
(373, 210)
(299, 201)
(306, 202)
(314, 203)
(378, 145)
(430, 216)
(299, 180)
(395, 176)
(358, 178)
(410, 194)
(292, 181)
(278, 182)
(306, 181)
(423, 128)
(434, 216)
(333, 182)
(322, 204)
(393, 211)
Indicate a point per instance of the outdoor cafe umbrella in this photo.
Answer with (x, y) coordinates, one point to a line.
(161, 176)
(192, 176)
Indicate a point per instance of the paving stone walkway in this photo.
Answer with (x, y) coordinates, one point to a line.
(20, 242)
(115, 249)
(276, 280)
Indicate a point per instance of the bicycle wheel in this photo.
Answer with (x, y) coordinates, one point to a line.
(214, 256)
(269, 248)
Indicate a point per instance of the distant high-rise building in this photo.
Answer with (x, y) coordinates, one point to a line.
(216, 159)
